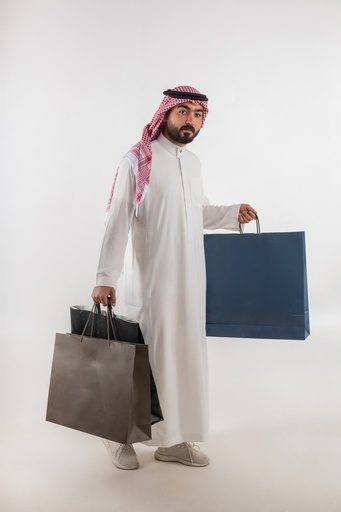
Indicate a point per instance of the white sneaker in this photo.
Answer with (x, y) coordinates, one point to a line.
(123, 456)
(185, 453)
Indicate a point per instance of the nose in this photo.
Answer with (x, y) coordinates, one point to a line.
(189, 119)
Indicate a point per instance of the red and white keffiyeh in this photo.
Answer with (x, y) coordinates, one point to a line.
(140, 155)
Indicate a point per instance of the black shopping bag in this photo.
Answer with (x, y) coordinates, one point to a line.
(100, 387)
(126, 330)
(256, 285)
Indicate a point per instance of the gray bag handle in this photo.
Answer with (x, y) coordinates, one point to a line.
(257, 226)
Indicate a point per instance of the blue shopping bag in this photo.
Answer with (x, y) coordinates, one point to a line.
(257, 285)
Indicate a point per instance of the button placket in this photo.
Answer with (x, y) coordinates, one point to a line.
(182, 182)
(187, 198)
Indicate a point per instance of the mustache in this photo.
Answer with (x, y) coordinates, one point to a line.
(188, 127)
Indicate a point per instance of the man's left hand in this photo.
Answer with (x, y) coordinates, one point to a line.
(246, 214)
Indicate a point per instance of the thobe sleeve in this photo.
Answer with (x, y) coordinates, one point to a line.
(117, 227)
(220, 217)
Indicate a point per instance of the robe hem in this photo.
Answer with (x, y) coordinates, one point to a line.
(181, 438)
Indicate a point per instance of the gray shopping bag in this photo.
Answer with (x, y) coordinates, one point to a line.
(101, 387)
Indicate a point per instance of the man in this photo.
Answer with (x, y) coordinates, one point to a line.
(158, 196)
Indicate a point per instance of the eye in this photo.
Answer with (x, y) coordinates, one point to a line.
(198, 114)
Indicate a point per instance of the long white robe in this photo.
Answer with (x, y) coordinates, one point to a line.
(165, 283)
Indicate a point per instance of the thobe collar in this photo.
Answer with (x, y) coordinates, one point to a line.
(176, 150)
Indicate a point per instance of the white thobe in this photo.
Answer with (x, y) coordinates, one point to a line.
(165, 280)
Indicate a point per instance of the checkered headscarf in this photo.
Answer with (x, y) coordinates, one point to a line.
(140, 155)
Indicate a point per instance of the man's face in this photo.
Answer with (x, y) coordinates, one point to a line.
(183, 123)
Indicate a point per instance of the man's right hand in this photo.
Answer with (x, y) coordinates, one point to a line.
(100, 295)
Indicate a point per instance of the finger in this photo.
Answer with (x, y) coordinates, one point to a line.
(251, 211)
(104, 299)
(249, 214)
(113, 297)
(245, 217)
(97, 299)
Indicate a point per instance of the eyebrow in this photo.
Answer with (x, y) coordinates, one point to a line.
(188, 108)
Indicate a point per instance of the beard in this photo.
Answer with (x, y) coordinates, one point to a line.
(177, 134)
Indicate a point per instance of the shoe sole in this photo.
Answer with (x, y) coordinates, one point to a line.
(168, 458)
(119, 466)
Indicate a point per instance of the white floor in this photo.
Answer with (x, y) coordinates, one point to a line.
(275, 444)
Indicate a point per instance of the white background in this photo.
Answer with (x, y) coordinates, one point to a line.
(79, 80)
